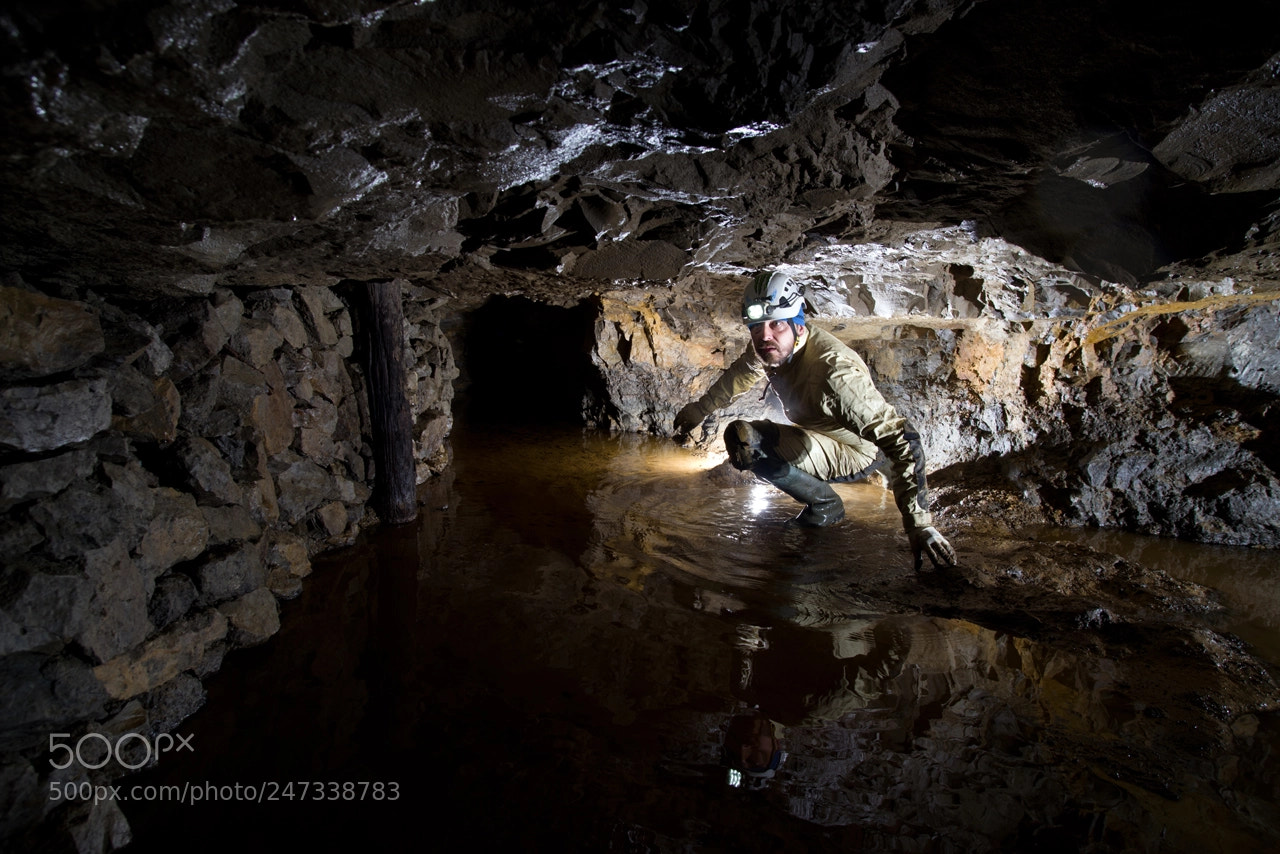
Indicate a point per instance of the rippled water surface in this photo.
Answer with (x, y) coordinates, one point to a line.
(563, 655)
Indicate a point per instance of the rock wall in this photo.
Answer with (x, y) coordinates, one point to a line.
(167, 470)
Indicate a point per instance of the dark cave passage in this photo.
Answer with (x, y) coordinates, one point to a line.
(527, 362)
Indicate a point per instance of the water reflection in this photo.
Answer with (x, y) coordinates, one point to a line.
(1249, 579)
(584, 631)
(920, 726)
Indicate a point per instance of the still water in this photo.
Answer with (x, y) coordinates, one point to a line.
(588, 639)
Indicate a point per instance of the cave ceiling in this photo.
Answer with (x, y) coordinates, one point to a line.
(558, 148)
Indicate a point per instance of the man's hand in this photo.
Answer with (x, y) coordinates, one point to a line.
(927, 541)
(687, 419)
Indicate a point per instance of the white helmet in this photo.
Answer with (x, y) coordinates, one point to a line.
(772, 296)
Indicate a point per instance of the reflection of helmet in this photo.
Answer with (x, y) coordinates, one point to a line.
(772, 296)
(751, 750)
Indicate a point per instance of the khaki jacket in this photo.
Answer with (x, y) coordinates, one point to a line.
(826, 390)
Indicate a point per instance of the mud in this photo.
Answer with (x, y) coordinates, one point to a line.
(558, 655)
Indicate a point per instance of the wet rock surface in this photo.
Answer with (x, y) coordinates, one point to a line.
(260, 143)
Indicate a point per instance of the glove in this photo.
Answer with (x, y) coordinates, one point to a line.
(927, 541)
(687, 419)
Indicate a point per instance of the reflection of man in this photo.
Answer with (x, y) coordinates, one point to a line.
(842, 429)
(751, 746)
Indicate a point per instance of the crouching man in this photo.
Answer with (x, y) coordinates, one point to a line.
(842, 429)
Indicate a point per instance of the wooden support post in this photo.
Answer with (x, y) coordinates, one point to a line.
(395, 483)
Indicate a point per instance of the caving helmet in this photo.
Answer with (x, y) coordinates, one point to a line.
(772, 296)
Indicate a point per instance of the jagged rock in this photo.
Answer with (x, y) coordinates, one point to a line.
(207, 472)
(230, 524)
(431, 429)
(252, 618)
(431, 378)
(146, 409)
(198, 332)
(199, 394)
(232, 574)
(182, 647)
(256, 341)
(288, 562)
(134, 493)
(272, 417)
(317, 425)
(301, 488)
(652, 363)
(82, 518)
(171, 599)
(333, 517)
(43, 606)
(175, 701)
(44, 418)
(115, 617)
(42, 478)
(317, 304)
(328, 378)
(19, 537)
(41, 335)
(239, 384)
(285, 319)
(131, 340)
(212, 660)
(129, 718)
(262, 501)
(178, 532)
(1218, 143)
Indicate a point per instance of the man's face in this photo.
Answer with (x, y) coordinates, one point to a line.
(774, 340)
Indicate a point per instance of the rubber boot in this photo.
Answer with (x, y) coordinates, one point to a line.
(822, 506)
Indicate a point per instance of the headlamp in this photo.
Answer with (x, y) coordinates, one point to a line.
(755, 311)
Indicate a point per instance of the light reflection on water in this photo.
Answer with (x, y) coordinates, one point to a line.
(551, 659)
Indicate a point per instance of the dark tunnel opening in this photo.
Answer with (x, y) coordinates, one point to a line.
(528, 362)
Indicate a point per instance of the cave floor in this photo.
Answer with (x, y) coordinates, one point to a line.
(552, 656)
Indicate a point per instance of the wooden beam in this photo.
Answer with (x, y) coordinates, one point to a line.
(395, 481)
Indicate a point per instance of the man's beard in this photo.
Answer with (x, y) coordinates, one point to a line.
(771, 354)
